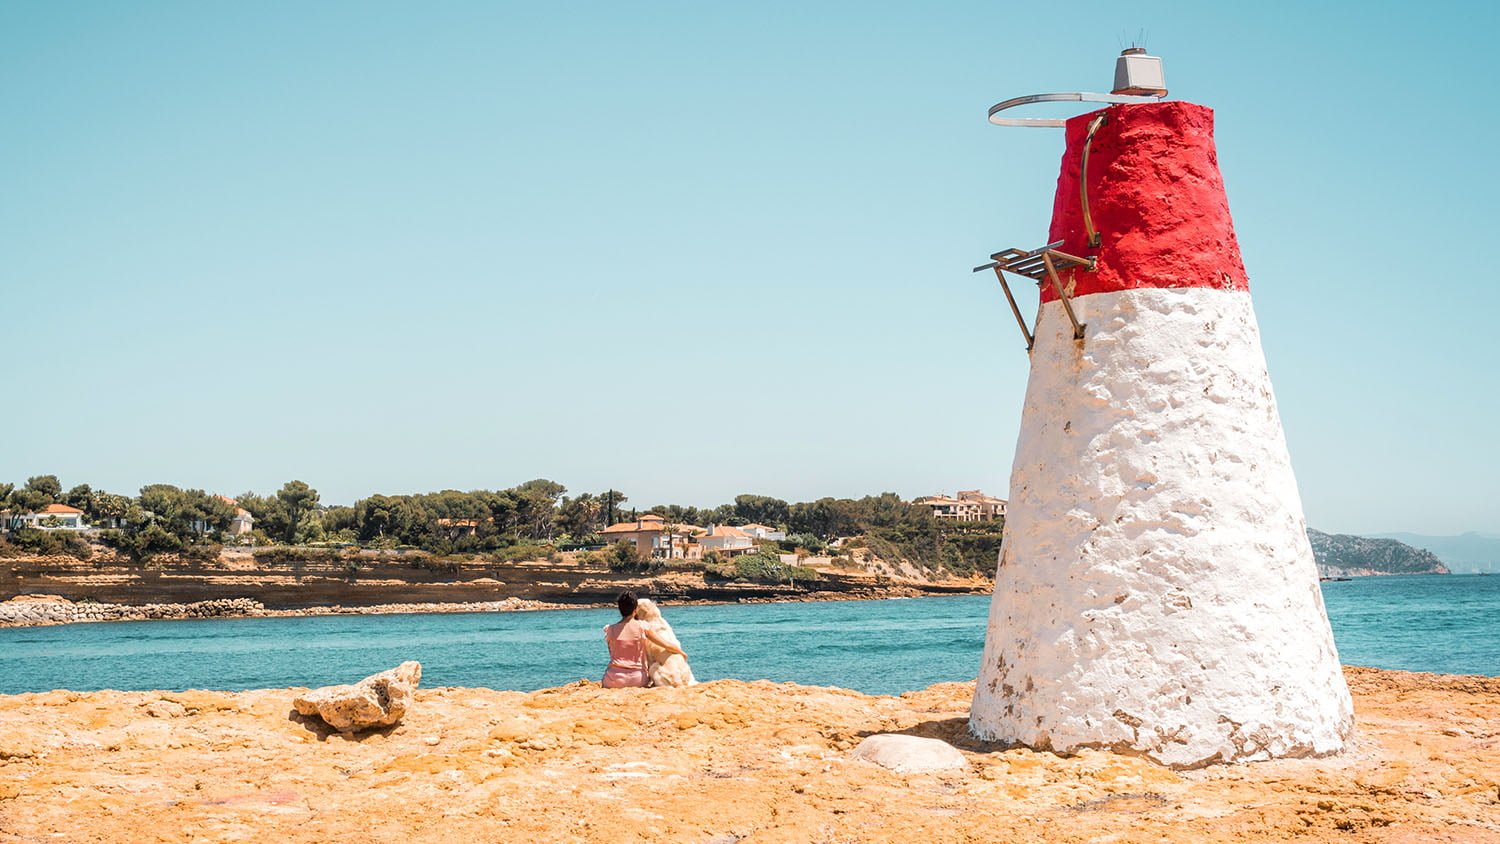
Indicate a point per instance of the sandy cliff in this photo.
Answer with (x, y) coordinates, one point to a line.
(377, 579)
(722, 762)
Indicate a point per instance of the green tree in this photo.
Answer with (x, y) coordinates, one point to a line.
(151, 540)
(269, 514)
(162, 504)
(624, 556)
(611, 500)
(47, 485)
(338, 519)
(108, 508)
(81, 496)
(580, 515)
(763, 565)
(412, 520)
(505, 512)
(826, 518)
(298, 499)
(8, 507)
(679, 515)
(189, 514)
(761, 508)
(537, 507)
(404, 518)
(26, 501)
(309, 528)
(376, 517)
(203, 514)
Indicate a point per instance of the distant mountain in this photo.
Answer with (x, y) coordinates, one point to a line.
(1342, 555)
(1466, 552)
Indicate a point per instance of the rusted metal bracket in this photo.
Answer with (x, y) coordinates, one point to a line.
(1083, 179)
(1041, 265)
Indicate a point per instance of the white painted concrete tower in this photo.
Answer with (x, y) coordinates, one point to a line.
(1156, 593)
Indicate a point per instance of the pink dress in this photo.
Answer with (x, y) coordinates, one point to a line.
(627, 655)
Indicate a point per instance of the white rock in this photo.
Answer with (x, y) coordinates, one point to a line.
(910, 754)
(379, 700)
(1156, 592)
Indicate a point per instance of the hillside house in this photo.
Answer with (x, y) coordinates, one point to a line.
(969, 505)
(455, 528)
(726, 540)
(51, 517)
(654, 538)
(990, 507)
(241, 522)
(765, 532)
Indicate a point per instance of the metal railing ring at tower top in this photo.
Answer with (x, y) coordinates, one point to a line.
(1072, 97)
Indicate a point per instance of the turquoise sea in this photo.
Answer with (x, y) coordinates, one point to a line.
(1422, 623)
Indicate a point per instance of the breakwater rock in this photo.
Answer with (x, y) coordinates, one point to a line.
(48, 609)
(37, 610)
(721, 761)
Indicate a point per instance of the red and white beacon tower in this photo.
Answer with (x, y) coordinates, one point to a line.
(1155, 592)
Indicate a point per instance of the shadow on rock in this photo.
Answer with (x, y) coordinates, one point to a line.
(954, 731)
(318, 727)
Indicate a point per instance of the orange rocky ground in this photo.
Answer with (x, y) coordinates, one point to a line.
(722, 762)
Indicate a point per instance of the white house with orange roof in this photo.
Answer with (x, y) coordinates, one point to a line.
(726, 540)
(53, 517)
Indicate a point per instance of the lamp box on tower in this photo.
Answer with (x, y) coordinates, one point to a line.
(1155, 592)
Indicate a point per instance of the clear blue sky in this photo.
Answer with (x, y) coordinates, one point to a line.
(690, 250)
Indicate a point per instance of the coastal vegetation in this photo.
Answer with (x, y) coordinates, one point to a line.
(537, 520)
(763, 566)
(534, 520)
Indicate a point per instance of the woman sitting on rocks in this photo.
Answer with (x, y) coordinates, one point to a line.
(665, 666)
(627, 639)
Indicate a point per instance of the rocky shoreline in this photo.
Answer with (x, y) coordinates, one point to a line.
(112, 589)
(721, 762)
(43, 610)
(47, 610)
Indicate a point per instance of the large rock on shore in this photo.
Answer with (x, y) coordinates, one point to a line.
(910, 754)
(379, 700)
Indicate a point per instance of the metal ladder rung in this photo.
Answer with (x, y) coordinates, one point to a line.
(1040, 265)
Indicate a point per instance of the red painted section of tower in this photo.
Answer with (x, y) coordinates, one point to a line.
(1156, 198)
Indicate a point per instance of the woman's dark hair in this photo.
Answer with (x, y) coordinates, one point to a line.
(626, 603)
